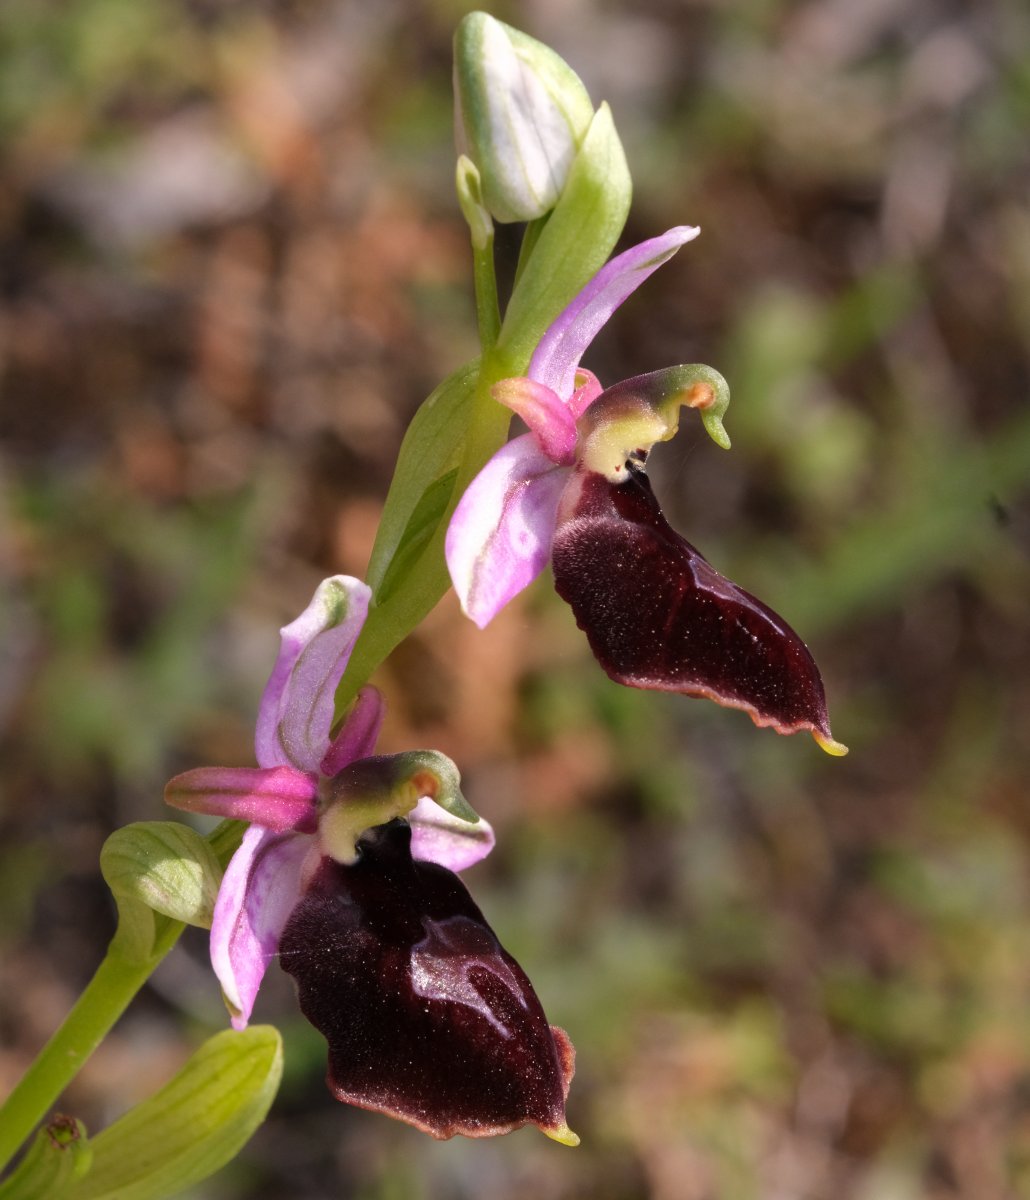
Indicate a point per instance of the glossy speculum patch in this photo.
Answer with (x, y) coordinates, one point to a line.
(427, 1017)
(658, 615)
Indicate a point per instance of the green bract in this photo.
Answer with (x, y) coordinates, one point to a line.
(422, 482)
(59, 1155)
(572, 245)
(469, 187)
(192, 1126)
(158, 867)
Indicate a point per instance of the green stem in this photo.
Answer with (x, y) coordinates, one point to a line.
(488, 312)
(106, 997)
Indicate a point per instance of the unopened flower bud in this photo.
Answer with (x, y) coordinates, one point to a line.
(521, 114)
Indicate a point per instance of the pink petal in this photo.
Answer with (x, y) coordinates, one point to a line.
(547, 416)
(296, 710)
(260, 889)
(588, 388)
(357, 737)
(439, 837)
(563, 345)
(277, 798)
(499, 538)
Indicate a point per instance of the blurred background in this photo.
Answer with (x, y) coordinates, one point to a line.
(232, 267)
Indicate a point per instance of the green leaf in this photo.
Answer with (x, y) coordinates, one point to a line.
(192, 1126)
(59, 1154)
(418, 498)
(162, 867)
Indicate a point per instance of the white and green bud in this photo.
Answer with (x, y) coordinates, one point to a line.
(521, 114)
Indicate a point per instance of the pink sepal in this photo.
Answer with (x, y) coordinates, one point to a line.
(260, 889)
(276, 798)
(558, 353)
(499, 539)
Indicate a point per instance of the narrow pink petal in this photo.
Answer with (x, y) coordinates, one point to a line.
(499, 538)
(548, 418)
(556, 357)
(439, 837)
(588, 388)
(277, 798)
(296, 710)
(260, 888)
(357, 737)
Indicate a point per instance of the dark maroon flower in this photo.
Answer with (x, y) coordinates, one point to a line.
(658, 615)
(571, 490)
(427, 1017)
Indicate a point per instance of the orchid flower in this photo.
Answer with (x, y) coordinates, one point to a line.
(573, 492)
(347, 873)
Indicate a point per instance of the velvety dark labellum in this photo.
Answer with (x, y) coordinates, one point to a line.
(427, 1017)
(658, 615)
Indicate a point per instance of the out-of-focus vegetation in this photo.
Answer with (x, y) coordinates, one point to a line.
(232, 267)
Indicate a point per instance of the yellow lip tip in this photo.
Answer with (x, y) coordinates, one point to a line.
(564, 1135)
(837, 749)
